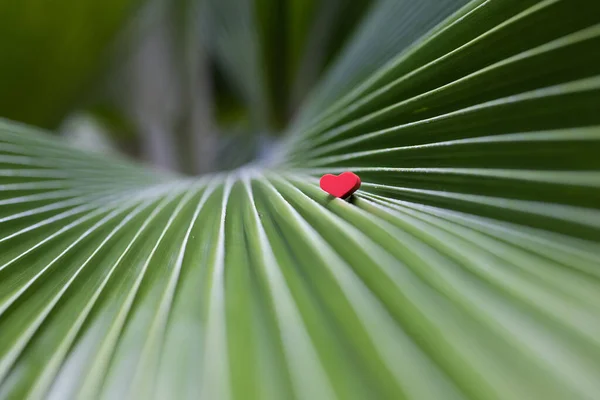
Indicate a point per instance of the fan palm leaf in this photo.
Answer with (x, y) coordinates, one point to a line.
(466, 266)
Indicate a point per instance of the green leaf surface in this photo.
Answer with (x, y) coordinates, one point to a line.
(466, 266)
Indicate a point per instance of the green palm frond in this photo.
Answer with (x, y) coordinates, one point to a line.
(466, 266)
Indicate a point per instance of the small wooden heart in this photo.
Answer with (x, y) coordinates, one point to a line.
(342, 185)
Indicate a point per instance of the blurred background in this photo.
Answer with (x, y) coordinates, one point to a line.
(186, 85)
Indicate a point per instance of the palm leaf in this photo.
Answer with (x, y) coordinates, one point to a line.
(465, 267)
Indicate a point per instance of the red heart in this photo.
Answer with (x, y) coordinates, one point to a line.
(340, 186)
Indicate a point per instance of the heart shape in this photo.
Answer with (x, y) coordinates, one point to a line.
(340, 186)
